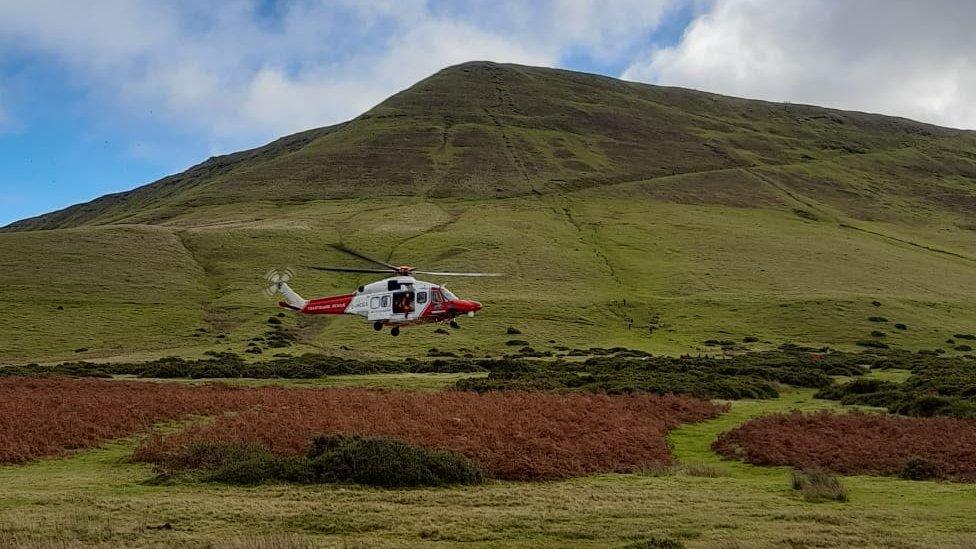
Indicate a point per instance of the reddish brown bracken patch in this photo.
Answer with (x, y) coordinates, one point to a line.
(855, 443)
(511, 435)
(46, 416)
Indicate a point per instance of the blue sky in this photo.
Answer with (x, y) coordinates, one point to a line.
(102, 96)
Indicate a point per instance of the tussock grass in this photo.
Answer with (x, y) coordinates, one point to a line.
(818, 486)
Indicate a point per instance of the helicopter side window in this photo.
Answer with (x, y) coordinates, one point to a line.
(421, 298)
(385, 301)
(374, 303)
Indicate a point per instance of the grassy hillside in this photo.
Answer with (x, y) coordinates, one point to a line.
(701, 216)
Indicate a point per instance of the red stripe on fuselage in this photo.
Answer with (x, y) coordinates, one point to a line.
(334, 305)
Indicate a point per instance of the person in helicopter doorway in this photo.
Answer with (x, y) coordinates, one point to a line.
(404, 303)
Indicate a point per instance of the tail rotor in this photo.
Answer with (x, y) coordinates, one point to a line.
(276, 279)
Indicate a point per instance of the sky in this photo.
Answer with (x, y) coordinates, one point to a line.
(105, 95)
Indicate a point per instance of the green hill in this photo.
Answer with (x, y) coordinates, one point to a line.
(622, 213)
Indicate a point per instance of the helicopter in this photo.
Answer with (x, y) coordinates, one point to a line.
(396, 301)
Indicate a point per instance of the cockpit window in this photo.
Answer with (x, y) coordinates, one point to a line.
(448, 295)
(436, 296)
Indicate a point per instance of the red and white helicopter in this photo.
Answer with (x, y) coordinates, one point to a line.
(399, 300)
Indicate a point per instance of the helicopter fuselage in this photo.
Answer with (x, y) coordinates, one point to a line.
(398, 301)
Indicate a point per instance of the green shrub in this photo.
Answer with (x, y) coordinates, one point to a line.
(750, 339)
(208, 455)
(244, 472)
(387, 462)
(964, 336)
(878, 333)
(516, 343)
(917, 468)
(901, 326)
(877, 319)
(512, 331)
(963, 348)
(332, 458)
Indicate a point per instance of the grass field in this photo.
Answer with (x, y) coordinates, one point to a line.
(621, 215)
(578, 268)
(98, 498)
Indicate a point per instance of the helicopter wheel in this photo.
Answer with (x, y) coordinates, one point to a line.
(377, 326)
(454, 324)
(395, 331)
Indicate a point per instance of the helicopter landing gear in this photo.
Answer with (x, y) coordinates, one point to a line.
(454, 324)
(395, 331)
(377, 326)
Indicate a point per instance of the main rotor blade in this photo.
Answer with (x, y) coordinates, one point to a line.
(354, 253)
(350, 269)
(438, 273)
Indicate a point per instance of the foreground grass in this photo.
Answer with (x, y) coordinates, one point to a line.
(99, 498)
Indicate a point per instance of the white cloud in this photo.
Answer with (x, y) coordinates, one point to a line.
(913, 59)
(238, 76)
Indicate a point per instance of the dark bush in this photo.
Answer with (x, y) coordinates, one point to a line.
(744, 376)
(878, 333)
(872, 344)
(917, 468)
(387, 462)
(900, 326)
(332, 458)
(512, 331)
(877, 319)
(516, 343)
(964, 336)
(208, 455)
(938, 386)
(244, 472)
(750, 339)
(274, 320)
(233, 366)
(963, 348)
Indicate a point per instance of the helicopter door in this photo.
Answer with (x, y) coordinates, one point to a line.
(402, 303)
(379, 307)
(437, 298)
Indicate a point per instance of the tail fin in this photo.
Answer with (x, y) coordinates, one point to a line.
(292, 300)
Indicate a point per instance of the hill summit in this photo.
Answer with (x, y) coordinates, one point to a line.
(483, 129)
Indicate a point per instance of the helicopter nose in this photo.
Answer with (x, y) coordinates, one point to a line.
(465, 306)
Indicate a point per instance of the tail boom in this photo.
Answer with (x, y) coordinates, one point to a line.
(333, 305)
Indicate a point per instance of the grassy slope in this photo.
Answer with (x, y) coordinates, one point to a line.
(704, 270)
(720, 216)
(98, 497)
